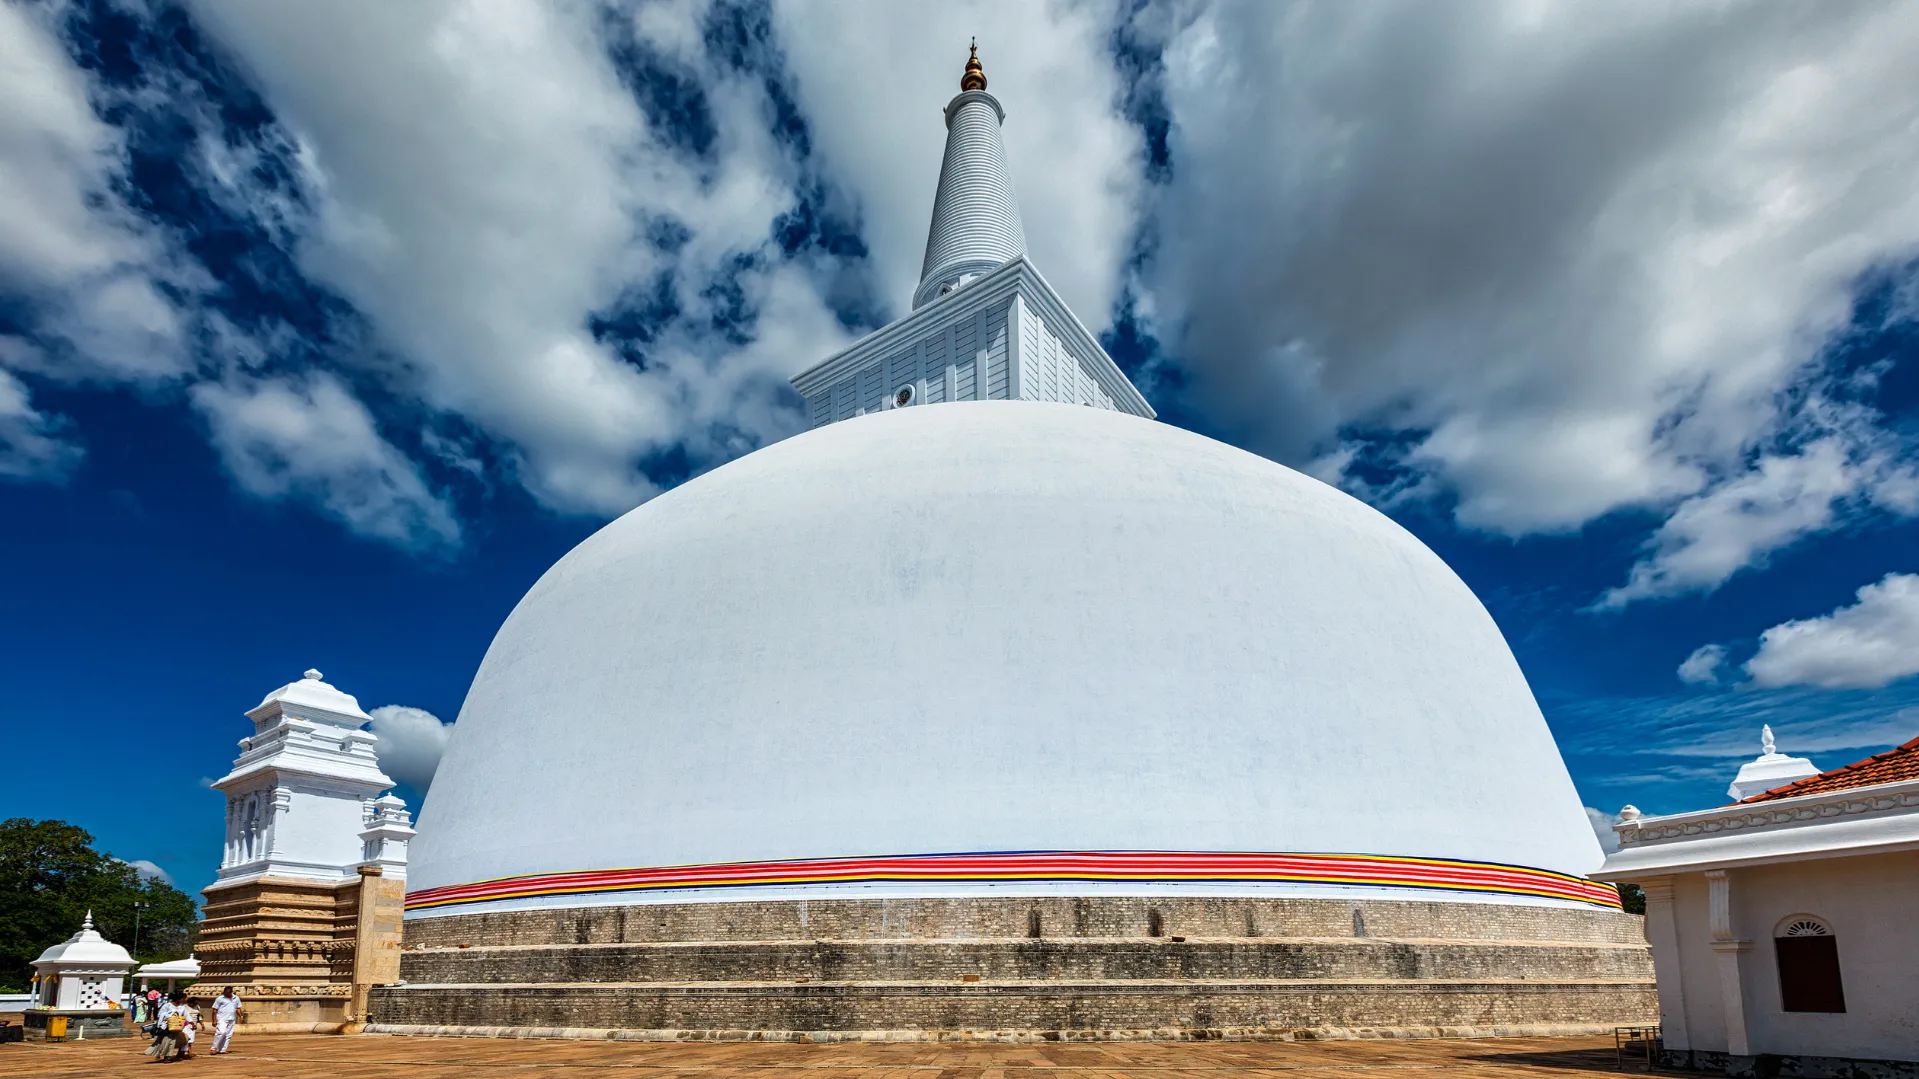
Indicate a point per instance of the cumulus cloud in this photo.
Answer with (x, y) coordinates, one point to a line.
(1702, 667)
(1782, 498)
(1557, 259)
(1602, 823)
(150, 871)
(522, 192)
(1871, 643)
(310, 437)
(91, 269)
(31, 446)
(411, 742)
(1539, 262)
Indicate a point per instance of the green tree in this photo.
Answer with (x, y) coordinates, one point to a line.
(50, 876)
(1632, 898)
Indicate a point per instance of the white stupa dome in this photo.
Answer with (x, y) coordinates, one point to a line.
(996, 627)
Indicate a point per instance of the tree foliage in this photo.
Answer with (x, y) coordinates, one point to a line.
(50, 876)
(1632, 898)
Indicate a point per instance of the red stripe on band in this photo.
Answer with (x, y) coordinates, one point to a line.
(1168, 867)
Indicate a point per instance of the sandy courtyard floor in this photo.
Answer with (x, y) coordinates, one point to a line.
(379, 1057)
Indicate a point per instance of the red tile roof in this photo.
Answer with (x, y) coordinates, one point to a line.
(1892, 766)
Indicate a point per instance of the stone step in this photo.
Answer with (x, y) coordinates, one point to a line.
(1010, 917)
(1022, 958)
(1017, 1008)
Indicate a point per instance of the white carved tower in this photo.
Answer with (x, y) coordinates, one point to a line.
(305, 915)
(304, 787)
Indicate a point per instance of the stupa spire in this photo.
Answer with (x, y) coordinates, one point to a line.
(976, 224)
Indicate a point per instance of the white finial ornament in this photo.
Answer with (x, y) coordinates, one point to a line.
(311, 675)
(1769, 770)
(1630, 813)
(87, 926)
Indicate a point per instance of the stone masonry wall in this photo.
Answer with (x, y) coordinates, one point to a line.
(1021, 959)
(1023, 967)
(1325, 1007)
(960, 919)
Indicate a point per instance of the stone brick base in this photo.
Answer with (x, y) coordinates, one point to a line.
(1787, 1066)
(82, 1025)
(1017, 969)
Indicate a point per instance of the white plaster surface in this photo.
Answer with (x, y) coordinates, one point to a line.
(996, 625)
(1867, 901)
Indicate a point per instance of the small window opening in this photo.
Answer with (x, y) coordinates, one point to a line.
(1032, 923)
(1808, 955)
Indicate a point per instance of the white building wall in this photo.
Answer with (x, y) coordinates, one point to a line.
(1005, 336)
(1869, 901)
(1050, 368)
(963, 347)
(1705, 1026)
(321, 828)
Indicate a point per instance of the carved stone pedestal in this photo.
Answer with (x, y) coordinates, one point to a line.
(301, 953)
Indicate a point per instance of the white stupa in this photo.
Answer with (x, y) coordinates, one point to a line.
(875, 658)
(1768, 770)
(992, 708)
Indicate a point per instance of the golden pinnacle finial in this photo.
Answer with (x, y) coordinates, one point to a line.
(975, 77)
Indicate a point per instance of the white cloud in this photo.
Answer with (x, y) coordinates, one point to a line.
(1602, 827)
(1702, 667)
(310, 437)
(150, 871)
(30, 444)
(1846, 465)
(1872, 643)
(411, 742)
(1576, 255)
(480, 226)
(1556, 260)
(68, 241)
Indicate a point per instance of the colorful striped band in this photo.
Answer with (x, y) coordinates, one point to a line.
(1142, 867)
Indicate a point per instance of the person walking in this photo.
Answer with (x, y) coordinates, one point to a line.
(226, 1011)
(193, 1024)
(174, 1021)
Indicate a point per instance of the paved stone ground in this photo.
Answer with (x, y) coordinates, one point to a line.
(291, 1056)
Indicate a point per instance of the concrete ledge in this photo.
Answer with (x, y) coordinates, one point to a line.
(1786, 1066)
(1282, 1034)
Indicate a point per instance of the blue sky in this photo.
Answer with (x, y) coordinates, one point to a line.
(325, 329)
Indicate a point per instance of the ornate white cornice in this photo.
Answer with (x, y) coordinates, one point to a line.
(1863, 820)
(1016, 277)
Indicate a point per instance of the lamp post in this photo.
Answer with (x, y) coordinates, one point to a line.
(138, 906)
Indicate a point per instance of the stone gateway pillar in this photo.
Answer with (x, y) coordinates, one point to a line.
(305, 915)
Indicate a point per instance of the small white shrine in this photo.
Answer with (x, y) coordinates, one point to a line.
(85, 971)
(168, 975)
(1769, 770)
(78, 985)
